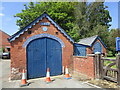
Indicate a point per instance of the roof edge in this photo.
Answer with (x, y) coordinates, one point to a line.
(82, 44)
(100, 41)
(5, 32)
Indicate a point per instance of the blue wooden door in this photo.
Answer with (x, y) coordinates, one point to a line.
(36, 55)
(97, 47)
(41, 54)
(54, 57)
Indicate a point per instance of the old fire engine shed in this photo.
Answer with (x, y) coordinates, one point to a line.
(39, 45)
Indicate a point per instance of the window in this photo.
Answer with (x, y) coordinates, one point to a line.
(79, 50)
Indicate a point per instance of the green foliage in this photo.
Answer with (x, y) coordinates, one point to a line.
(110, 54)
(106, 63)
(75, 33)
(93, 19)
(103, 33)
(99, 15)
(61, 12)
(81, 19)
(2, 49)
(112, 42)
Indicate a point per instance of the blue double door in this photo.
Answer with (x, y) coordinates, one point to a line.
(44, 53)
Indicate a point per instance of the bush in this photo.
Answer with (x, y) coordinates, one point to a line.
(1, 49)
(110, 54)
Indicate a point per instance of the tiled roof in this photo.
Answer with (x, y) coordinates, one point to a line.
(90, 40)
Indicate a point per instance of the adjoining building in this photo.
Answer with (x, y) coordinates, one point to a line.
(4, 44)
(89, 45)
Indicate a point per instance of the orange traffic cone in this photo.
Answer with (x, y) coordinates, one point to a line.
(24, 82)
(48, 76)
(67, 76)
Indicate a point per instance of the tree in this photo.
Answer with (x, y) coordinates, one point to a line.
(92, 18)
(98, 15)
(61, 12)
(112, 43)
(99, 19)
(102, 32)
(81, 18)
(74, 33)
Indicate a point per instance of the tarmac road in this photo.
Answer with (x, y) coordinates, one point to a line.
(59, 81)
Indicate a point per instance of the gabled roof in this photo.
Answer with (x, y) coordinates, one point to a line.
(17, 34)
(4, 32)
(90, 40)
(4, 39)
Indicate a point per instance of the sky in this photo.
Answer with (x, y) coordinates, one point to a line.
(9, 9)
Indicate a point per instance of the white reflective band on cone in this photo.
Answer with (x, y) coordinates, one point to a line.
(48, 74)
(24, 76)
(63, 69)
(67, 71)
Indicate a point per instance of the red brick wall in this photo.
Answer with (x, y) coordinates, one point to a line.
(84, 66)
(4, 42)
(18, 54)
(89, 50)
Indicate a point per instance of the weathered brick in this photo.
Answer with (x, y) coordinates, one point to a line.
(84, 66)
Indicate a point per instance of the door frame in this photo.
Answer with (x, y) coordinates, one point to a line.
(41, 36)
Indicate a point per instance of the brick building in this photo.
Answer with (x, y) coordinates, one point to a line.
(89, 45)
(85, 65)
(44, 44)
(4, 41)
(40, 45)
